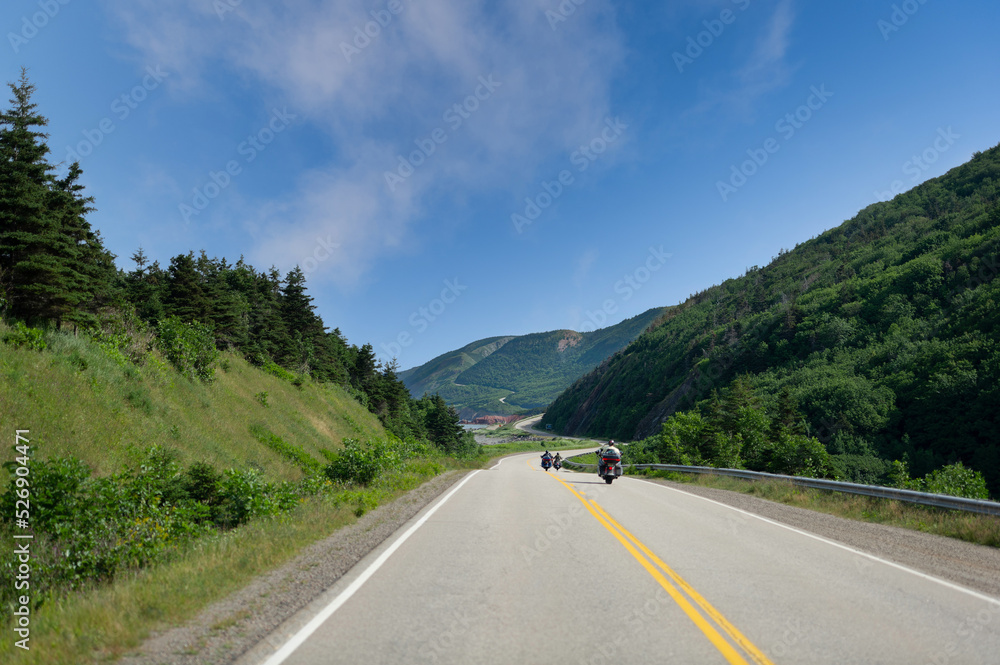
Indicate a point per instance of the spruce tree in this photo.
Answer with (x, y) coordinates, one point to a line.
(185, 295)
(55, 267)
(25, 221)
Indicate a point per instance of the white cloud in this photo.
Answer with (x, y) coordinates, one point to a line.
(373, 103)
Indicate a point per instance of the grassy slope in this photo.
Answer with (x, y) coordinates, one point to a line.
(77, 401)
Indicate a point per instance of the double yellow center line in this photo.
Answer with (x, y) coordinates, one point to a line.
(708, 620)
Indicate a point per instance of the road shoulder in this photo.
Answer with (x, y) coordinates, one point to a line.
(972, 566)
(227, 629)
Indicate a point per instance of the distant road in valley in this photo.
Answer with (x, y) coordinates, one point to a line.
(528, 425)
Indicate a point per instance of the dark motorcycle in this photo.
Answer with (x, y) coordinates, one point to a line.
(546, 463)
(556, 464)
(611, 467)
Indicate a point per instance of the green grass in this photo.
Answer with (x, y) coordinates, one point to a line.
(971, 527)
(108, 621)
(76, 400)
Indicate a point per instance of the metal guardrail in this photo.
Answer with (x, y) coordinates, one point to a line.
(910, 496)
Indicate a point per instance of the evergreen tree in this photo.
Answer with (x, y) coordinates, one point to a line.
(55, 266)
(185, 295)
(145, 287)
(25, 221)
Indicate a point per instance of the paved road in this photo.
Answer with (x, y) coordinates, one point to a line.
(528, 425)
(517, 565)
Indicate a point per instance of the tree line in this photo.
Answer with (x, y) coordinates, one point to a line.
(55, 273)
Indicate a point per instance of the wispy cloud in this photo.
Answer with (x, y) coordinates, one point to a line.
(374, 102)
(583, 265)
(766, 69)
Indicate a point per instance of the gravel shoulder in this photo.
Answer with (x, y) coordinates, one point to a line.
(232, 626)
(972, 566)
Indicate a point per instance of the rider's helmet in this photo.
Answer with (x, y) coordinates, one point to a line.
(611, 442)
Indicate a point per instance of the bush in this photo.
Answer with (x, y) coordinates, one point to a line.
(190, 347)
(90, 529)
(123, 336)
(23, 336)
(799, 455)
(953, 479)
(363, 463)
(244, 495)
(956, 480)
(274, 369)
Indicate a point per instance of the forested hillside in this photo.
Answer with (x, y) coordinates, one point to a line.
(526, 371)
(882, 333)
(56, 274)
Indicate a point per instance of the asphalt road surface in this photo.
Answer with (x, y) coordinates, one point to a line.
(519, 565)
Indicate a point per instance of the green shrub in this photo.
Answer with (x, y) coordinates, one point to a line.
(23, 336)
(277, 370)
(294, 453)
(190, 347)
(244, 495)
(363, 463)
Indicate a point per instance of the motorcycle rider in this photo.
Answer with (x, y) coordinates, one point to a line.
(546, 456)
(558, 459)
(604, 450)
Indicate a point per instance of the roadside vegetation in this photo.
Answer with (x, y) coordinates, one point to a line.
(880, 331)
(180, 429)
(104, 619)
(970, 527)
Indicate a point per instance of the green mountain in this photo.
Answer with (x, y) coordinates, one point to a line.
(883, 331)
(506, 375)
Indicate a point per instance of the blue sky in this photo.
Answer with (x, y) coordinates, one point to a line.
(448, 170)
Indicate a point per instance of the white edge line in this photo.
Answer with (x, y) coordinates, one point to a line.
(296, 640)
(912, 571)
(498, 463)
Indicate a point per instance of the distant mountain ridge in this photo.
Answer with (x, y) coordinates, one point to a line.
(512, 373)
